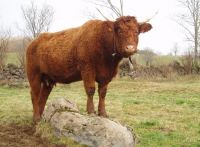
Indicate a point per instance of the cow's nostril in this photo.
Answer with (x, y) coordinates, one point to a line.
(129, 47)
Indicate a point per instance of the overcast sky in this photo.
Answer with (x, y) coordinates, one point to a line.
(71, 13)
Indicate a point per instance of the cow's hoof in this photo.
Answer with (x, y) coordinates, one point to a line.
(92, 112)
(36, 119)
(103, 114)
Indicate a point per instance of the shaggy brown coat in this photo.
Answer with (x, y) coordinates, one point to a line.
(90, 53)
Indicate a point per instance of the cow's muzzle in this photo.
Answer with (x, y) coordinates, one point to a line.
(130, 50)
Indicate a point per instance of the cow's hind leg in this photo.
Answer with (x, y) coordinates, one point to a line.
(35, 83)
(46, 88)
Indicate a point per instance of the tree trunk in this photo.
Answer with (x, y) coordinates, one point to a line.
(196, 43)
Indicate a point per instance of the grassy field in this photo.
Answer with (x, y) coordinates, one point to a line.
(162, 113)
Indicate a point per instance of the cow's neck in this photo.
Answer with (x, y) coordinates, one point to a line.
(109, 45)
(114, 50)
(112, 58)
(115, 56)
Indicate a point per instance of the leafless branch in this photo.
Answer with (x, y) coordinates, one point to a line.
(114, 8)
(21, 50)
(122, 6)
(190, 22)
(102, 14)
(36, 20)
(4, 40)
(107, 4)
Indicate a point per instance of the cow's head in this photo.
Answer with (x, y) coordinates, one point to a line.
(127, 30)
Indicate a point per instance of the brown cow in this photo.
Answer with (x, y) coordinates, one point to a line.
(90, 53)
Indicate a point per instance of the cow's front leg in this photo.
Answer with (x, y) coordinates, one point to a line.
(102, 89)
(88, 77)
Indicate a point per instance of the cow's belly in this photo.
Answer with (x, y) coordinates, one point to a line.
(60, 72)
(59, 67)
(64, 77)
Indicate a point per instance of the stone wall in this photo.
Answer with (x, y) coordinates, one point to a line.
(12, 75)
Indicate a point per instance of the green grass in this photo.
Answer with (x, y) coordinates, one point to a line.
(161, 113)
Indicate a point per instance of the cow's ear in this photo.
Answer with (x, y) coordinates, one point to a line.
(144, 27)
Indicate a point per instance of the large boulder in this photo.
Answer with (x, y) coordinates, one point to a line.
(93, 131)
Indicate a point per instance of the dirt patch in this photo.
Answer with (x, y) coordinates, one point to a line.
(22, 136)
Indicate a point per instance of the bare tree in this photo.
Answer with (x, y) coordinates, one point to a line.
(175, 49)
(148, 56)
(190, 21)
(36, 20)
(21, 49)
(4, 41)
(187, 62)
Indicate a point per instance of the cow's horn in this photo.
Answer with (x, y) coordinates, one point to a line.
(148, 19)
